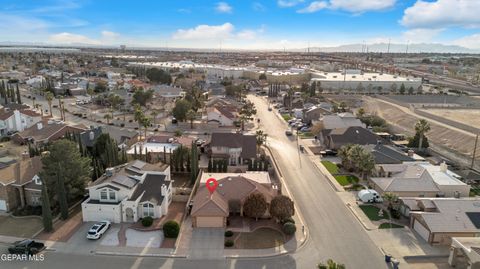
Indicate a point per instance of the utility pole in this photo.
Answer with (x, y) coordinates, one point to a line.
(474, 151)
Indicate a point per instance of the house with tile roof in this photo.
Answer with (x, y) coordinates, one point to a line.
(20, 184)
(437, 220)
(212, 210)
(129, 192)
(222, 115)
(45, 131)
(237, 148)
(17, 120)
(336, 138)
(418, 180)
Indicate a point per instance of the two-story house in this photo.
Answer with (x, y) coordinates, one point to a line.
(237, 148)
(129, 192)
(17, 120)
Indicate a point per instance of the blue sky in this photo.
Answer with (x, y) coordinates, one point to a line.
(273, 24)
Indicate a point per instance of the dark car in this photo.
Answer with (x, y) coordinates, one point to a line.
(26, 246)
(174, 121)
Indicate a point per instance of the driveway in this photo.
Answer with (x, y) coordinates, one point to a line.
(207, 244)
(143, 239)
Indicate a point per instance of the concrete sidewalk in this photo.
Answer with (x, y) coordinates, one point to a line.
(137, 251)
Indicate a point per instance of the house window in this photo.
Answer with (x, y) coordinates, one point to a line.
(148, 210)
(108, 195)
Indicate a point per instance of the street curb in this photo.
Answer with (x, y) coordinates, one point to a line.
(422, 257)
(328, 175)
(106, 253)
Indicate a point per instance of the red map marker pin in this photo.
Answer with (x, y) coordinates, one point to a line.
(212, 185)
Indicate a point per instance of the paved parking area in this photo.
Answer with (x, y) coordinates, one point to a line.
(111, 237)
(207, 244)
(152, 239)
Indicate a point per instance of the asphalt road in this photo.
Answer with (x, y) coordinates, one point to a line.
(333, 230)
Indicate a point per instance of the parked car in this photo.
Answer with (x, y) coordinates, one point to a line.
(174, 121)
(288, 133)
(302, 148)
(200, 142)
(269, 108)
(26, 246)
(369, 196)
(98, 229)
(328, 152)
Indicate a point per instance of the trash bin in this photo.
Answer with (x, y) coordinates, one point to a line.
(388, 258)
(395, 263)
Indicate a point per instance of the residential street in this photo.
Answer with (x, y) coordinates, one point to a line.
(333, 230)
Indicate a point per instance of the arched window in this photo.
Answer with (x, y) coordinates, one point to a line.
(148, 210)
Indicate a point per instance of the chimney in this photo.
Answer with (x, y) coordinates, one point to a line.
(109, 171)
(410, 153)
(164, 190)
(443, 167)
(25, 155)
(39, 126)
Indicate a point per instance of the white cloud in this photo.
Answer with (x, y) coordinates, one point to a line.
(471, 41)
(354, 6)
(66, 38)
(420, 35)
(223, 7)
(247, 34)
(359, 6)
(109, 35)
(314, 7)
(257, 6)
(289, 3)
(205, 32)
(442, 13)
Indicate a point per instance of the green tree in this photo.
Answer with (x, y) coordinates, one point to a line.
(107, 117)
(410, 91)
(191, 115)
(146, 122)
(100, 86)
(330, 265)
(181, 109)
(193, 162)
(49, 98)
(262, 76)
(255, 206)
(138, 114)
(421, 128)
(247, 111)
(261, 138)
(282, 207)
(391, 198)
(65, 170)
(159, 76)
(402, 89)
(19, 97)
(46, 209)
(142, 97)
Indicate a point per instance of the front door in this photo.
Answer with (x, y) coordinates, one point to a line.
(129, 214)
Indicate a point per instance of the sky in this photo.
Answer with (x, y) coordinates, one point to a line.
(241, 24)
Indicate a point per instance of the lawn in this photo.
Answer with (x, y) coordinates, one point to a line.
(261, 238)
(389, 226)
(346, 179)
(372, 212)
(474, 191)
(305, 135)
(331, 167)
(286, 117)
(24, 227)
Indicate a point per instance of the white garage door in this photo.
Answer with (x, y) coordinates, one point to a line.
(421, 230)
(209, 222)
(3, 205)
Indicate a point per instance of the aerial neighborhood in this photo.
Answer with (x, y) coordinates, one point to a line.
(115, 155)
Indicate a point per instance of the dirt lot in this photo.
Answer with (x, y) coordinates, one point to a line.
(404, 122)
(466, 116)
(20, 227)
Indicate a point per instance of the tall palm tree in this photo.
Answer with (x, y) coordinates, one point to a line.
(191, 115)
(421, 128)
(154, 115)
(108, 117)
(261, 138)
(49, 97)
(145, 122)
(390, 198)
(138, 114)
(366, 163)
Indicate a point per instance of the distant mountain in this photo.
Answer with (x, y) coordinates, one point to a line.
(395, 48)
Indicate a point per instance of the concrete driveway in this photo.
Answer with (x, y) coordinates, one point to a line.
(144, 239)
(207, 244)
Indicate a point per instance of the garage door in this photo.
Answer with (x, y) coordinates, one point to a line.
(206, 222)
(3, 205)
(421, 230)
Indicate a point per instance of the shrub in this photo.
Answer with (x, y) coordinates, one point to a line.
(290, 219)
(5, 139)
(229, 243)
(171, 229)
(289, 228)
(130, 120)
(228, 234)
(147, 221)
(122, 124)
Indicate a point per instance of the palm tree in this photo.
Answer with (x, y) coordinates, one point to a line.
(138, 115)
(191, 115)
(108, 117)
(390, 198)
(344, 154)
(154, 115)
(331, 265)
(49, 97)
(145, 122)
(261, 138)
(366, 163)
(421, 128)
(33, 102)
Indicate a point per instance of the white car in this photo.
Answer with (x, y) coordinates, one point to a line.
(98, 229)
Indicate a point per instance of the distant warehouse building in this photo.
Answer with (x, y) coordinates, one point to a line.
(356, 80)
